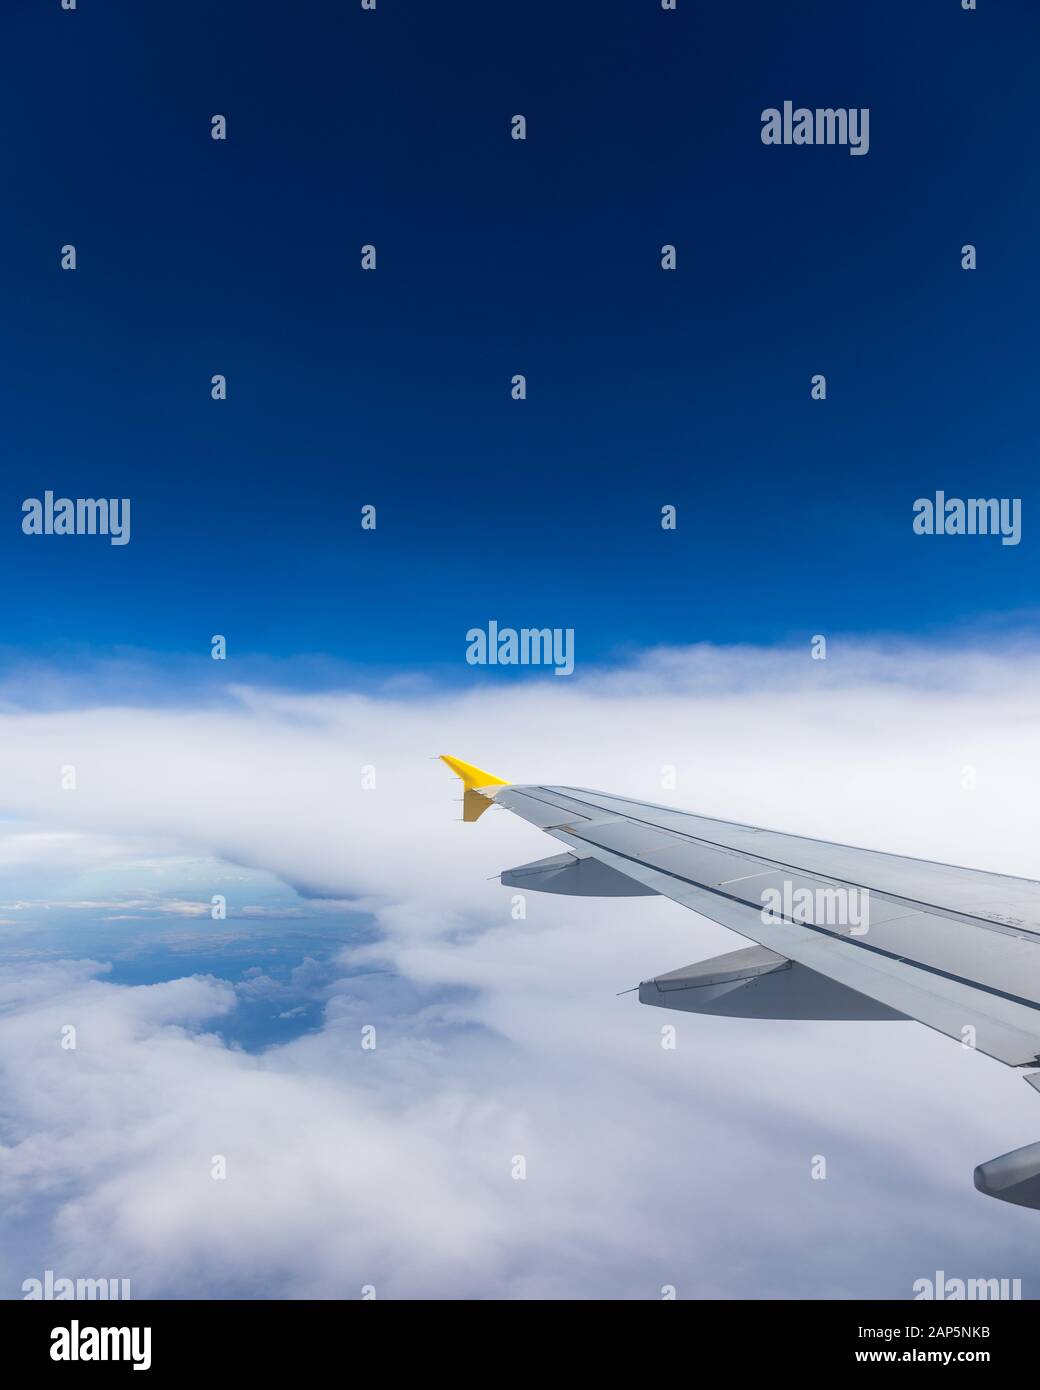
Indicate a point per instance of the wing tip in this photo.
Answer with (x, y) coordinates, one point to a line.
(472, 777)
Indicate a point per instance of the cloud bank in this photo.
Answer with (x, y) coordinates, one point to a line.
(502, 1046)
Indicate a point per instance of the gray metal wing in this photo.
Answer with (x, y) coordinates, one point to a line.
(840, 932)
(956, 949)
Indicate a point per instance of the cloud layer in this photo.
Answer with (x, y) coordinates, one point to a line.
(500, 1040)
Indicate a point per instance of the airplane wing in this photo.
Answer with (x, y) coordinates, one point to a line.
(839, 932)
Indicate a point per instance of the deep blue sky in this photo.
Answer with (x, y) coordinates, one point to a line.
(498, 257)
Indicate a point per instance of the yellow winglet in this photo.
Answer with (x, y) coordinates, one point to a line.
(473, 804)
(472, 777)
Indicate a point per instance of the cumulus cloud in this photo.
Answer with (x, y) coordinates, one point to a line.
(501, 1040)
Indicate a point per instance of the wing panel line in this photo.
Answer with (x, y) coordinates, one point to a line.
(934, 909)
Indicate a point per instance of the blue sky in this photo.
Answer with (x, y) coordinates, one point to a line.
(495, 257)
(352, 906)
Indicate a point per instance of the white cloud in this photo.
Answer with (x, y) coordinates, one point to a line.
(499, 1038)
